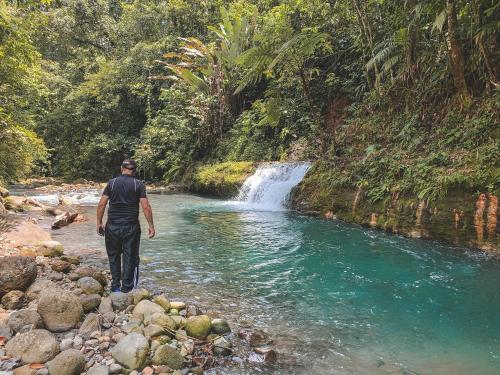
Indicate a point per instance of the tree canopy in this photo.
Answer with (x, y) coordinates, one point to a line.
(365, 86)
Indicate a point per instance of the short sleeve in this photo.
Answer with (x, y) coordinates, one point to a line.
(142, 190)
(107, 190)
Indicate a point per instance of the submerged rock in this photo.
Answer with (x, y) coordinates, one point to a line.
(36, 346)
(131, 351)
(198, 326)
(254, 337)
(16, 273)
(59, 309)
(69, 362)
(220, 326)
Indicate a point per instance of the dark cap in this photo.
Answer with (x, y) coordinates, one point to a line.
(129, 164)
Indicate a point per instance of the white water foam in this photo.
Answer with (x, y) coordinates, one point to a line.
(84, 198)
(270, 186)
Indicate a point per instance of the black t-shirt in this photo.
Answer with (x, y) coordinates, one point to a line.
(124, 194)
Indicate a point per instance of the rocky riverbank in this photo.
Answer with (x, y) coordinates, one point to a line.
(58, 317)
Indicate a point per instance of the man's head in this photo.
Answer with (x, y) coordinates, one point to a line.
(129, 167)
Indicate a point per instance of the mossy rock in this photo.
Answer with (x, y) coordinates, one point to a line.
(168, 356)
(198, 326)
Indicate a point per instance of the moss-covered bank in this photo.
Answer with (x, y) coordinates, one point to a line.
(220, 180)
(461, 217)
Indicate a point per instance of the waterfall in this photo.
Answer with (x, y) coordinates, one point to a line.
(270, 186)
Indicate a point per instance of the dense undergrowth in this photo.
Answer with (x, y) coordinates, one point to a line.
(423, 155)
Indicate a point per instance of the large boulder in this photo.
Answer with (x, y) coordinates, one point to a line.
(37, 346)
(146, 308)
(13, 300)
(60, 310)
(168, 356)
(198, 326)
(37, 287)
(69, 362)
(24, 318)
(89, 285)
(131, 351)
(16, 273)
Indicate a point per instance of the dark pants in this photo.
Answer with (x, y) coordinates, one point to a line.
(123, 240)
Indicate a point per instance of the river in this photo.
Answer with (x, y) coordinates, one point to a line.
(336, 298)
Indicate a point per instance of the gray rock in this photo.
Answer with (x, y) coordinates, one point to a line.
(153, 330)
(98, 370)
(69, 362)
(37, 287)
(93, 273)
(13, 300)
(89, 285)
(193, 310)
(131, 351)
(42, 371)
(16, 273)
(166, 355)
(66, 344)
(220, 326)
(25, 317)
(121, 301)
(146, 308)
(77, 342)
(105, 305)
(73, 276)
(115, 368)
(91, 324)
(59, 309)
(90, 301)
(56, 276)
(37, 346)
(5, 331)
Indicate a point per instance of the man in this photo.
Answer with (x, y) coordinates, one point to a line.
(122, 231)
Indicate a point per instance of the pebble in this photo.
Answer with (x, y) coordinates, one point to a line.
(42, 371)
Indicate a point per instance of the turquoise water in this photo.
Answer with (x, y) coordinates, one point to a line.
(336, 298)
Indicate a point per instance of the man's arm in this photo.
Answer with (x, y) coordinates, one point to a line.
(148, 214)
(101, 206)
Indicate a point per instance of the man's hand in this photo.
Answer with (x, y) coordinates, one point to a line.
(151, 232)
(100, 229)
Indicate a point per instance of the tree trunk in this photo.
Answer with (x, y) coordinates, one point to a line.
(455, 53)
